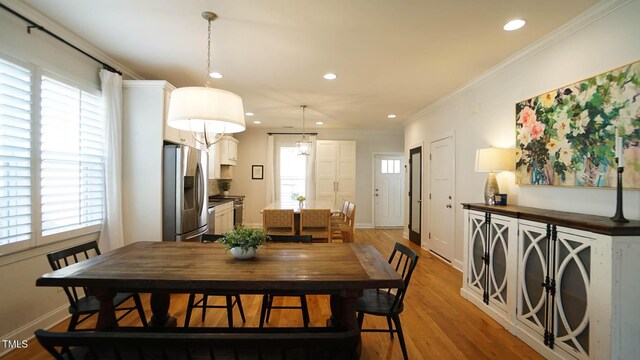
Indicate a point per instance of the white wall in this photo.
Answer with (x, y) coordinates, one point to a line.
(252, 151)
(26, 307)
(483, 113)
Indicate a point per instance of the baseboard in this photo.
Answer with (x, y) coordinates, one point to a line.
(457, 264)
(25, 332)
(363, 226)
(405, 234)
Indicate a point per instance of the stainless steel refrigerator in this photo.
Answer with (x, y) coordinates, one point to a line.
(184, 193)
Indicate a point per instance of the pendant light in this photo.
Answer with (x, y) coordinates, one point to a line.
(206, 112)
(304, 144)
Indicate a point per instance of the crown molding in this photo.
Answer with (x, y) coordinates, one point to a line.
(584, 19)
(71, 37)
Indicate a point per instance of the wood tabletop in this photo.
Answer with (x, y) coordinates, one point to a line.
(307, 204)
(191, 267)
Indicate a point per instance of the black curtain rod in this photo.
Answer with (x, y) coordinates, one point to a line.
(34, 25)
(291, 133)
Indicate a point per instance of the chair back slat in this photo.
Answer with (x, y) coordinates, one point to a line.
(408, 260)
(69, 256)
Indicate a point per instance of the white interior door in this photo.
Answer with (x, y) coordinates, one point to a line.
(441, 187)
(388, 188)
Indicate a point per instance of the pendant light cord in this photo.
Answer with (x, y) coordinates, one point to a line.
(207, 82)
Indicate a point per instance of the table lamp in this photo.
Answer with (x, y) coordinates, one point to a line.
(490, 160)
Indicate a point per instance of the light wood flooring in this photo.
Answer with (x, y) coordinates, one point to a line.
(437, 322)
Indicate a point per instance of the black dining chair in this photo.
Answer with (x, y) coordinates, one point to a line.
(267, 299)
(231, 300)
(81, 304)
(389, 302)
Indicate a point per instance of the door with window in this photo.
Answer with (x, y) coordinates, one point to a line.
(415, 195)
(388, 188)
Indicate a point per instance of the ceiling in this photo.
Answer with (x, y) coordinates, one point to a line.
(391, 57)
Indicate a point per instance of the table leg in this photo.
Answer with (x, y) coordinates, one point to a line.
(343, 313)
(107, 313)
(160, 302)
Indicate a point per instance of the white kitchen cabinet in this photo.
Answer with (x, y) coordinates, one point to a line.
(174, 135)
(214, 162)
(490, 281)
(228, 148)
(575, 279)
(224, 218)
(335, 171)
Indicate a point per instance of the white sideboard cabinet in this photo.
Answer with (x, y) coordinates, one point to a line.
(564, 283)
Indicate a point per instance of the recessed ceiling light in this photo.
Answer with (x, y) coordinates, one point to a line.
(330, 76)
(216, 75)
(319, 123)
(249, 113)
(391, 116)
(514, 25)
(257, 122)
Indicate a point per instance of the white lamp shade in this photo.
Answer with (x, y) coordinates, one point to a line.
(203, 109)
(495, 159)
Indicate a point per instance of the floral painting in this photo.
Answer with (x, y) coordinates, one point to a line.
(567, 137)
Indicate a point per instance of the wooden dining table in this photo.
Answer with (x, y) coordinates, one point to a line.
(307, 204)
(161, 268)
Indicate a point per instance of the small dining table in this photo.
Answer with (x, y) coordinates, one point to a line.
(341, 270)
(307, 204)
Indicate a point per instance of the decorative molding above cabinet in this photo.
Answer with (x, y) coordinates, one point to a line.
(564, 283)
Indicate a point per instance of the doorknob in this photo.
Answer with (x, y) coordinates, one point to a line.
(449, 206)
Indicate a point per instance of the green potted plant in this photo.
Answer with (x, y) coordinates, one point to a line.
(225, 186)
(243, 242)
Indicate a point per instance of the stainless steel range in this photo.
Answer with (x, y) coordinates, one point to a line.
(238, 206)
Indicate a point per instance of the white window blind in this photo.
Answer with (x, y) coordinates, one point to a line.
(15, 153)
(72, 171)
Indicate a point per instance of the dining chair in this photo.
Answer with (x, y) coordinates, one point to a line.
(267, 299)
(389, 302)
(231, 300)
(278, 222)
(81, 304)
(345, 229)
(316, 222)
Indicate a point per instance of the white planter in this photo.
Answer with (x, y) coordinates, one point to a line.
(239, 253)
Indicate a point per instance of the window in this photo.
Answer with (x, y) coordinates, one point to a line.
(51, 183)
(15, 153)
(292, 174)
(390, 167)
(72, 175)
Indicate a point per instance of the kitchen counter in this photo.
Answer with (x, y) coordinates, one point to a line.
(216, 202)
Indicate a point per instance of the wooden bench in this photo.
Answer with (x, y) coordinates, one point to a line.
(202, 343)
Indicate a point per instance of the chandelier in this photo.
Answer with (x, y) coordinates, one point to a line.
(304, 144)
(206, 112)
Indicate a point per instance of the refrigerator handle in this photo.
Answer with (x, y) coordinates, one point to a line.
(199, 188)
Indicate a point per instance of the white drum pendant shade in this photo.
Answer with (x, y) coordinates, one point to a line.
(203, 109)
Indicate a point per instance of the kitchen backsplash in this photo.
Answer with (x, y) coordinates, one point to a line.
(212, 187)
